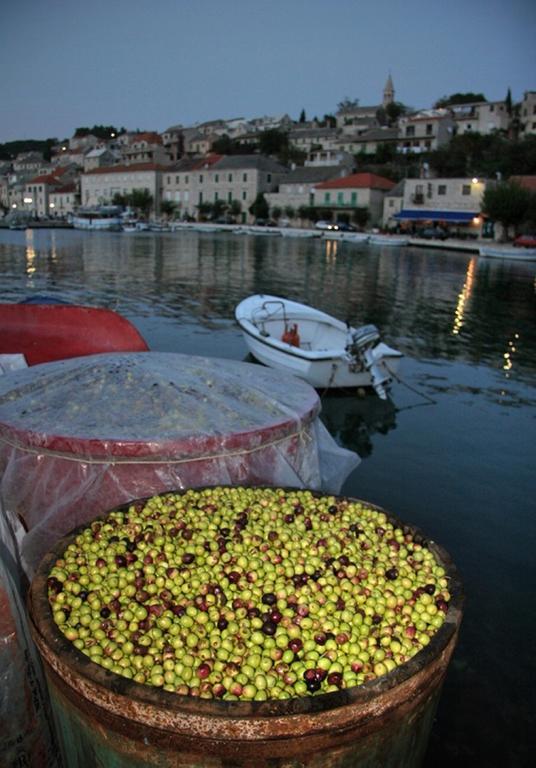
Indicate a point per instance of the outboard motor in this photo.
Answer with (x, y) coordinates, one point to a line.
(364, 340)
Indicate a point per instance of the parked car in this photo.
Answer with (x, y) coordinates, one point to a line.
(433, 233)
(323, 224)
(342, 226)
(525, 241)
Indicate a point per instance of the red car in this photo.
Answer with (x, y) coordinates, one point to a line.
(525, 241)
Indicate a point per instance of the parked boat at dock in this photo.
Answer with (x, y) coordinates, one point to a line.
(315, 346)
(105, 217)
(508, 252)
(388, 240)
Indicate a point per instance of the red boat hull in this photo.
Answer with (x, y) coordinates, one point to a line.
(46, 332)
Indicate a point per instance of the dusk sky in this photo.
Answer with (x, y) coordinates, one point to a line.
(149, 65)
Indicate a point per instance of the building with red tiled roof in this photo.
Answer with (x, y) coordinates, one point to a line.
(144, 147)
(359, 181)
(63, 200)
(37, 192)
(339, 198)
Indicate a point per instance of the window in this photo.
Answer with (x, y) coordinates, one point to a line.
(410, 130)
(492, 107)
(229, 197)
(216, 178)
(442, 189)
(230, 177)
(466, 189)
(429, 190)
(169, 179)
(429, 129)
(327, 197)
(201, 178)
(215, 195)
(244, 195)
(268, 178)
(200, 197)
(340, 198)
(391, 203)
(244, 177)
(177, 179)
(186, 179)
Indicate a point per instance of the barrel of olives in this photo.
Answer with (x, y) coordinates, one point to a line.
(80, 436)
(393, 611)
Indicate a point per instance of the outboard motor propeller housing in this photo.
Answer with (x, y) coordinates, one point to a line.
(362, 346)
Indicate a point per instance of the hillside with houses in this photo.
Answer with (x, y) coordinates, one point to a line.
(382, 166)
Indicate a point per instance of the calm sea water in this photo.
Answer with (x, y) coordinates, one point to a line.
(452, 452)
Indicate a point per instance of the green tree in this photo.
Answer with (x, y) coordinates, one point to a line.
(310, 213)
(205, 210)
(507, 203)
(346, 104)
(223, 145)
(11, 149)
(302, 116)
(235, 207)
(508, 102)
(218, 208)
(290, 212)
(100, 131)
(119, 199)
(273, 142)
(276, 212)
(141, 200)
(259, 207)
(167, 207)
(459, 98)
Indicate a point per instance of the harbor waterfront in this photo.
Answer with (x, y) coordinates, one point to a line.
(452, 449)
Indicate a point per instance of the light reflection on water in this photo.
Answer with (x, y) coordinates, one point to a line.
(452, 452)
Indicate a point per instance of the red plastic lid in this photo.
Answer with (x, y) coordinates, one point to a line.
(151, 404)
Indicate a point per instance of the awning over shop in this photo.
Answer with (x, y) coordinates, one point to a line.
(424, 215)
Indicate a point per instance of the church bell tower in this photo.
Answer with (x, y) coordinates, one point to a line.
(388, 92)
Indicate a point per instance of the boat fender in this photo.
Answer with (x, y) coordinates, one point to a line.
(291, 336)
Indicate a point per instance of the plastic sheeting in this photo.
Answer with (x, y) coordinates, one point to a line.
(80, 436)
(26, 733)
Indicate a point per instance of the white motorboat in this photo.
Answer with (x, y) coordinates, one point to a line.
(508, 252)
(296, 232)
(389, 240)
(315, 346)
(263, 231)
(356, 237)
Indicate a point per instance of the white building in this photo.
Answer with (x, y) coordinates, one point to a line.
(481, 117)
(99, 186)
(425, 131)
(359, 190)
(527, 114)
(226, 178)
(442, 202)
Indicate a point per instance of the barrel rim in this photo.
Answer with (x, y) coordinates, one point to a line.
(285, 425)
(109, 682)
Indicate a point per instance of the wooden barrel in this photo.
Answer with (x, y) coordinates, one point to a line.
(107, 720)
